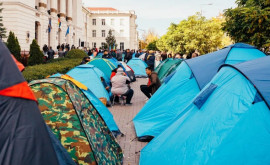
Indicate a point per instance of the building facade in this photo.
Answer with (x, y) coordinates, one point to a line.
(56, 22)
(50, 22)
(122, 24)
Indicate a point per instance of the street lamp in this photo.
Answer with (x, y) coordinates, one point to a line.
(207, 4)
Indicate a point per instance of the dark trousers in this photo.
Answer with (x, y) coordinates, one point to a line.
(146, 90)
(129, 95)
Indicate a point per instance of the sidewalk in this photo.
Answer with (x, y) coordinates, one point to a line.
(123, 116)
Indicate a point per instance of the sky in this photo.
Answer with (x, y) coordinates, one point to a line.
(159, 14)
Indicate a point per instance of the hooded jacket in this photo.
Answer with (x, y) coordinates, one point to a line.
(119, 83)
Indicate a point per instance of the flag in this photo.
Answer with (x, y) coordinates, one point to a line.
(67, 31)
(59, 22)
(114, 47)
(50, 25)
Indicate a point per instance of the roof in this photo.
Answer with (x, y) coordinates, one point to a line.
(101, 9)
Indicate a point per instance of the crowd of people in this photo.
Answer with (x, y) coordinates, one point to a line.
(62, 51)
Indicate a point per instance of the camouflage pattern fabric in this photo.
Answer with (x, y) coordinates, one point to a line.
(104, 145)
(59, 101)
(60, 115)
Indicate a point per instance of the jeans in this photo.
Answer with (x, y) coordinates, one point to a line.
(146, 90)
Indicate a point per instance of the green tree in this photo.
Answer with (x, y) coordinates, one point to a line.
(36, 56)
(152, 45)
(14, 46)
(2, 28)
(195, 33)
(110, 40)
(249, 22)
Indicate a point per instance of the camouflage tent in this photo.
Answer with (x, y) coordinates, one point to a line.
(75, 122)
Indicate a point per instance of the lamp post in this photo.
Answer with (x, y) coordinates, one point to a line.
(207, 4)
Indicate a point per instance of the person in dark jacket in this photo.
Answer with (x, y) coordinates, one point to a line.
(153, 83)
(85, 60)
(51, 53)
(106, 55)
(128, 56)
(163, 56)
(150, 59)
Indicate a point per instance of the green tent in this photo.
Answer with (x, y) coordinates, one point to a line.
(167, 67)
(75, 122)
(104, 65)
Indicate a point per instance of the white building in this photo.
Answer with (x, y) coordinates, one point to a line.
(122, 24)
(31, 19)
(39, 19)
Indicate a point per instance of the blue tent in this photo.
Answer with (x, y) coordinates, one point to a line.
(226, 123)
(104, 65)
(138, 66)
(99, 55)
(114, 61)
(90, 75)
(191, 76)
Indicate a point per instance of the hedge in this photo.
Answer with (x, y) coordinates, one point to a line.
(76, 53)
(43, 70)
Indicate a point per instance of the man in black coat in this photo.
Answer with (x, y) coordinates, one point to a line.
(128, 56)
(150, 59)
(106, 54)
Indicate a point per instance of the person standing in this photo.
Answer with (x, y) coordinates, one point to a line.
(128, 55)
(163, 56)
(153, 83)
(150, 59)
(120, 85)
(94, 54)
(51, 53)
(106, 55)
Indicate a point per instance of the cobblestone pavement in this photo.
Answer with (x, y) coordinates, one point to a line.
(123, 116)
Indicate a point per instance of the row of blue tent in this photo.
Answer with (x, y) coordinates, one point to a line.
(213, 110)
(89, 74)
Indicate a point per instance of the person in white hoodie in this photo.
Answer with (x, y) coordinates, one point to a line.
(120, 85)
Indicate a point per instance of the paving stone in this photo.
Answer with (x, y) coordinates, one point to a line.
(123, 116)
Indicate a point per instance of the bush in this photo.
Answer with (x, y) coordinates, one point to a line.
(36, 56)
(76, 53)
(43, 70)
(14, 46)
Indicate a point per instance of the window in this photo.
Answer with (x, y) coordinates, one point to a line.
(103, 33)
(103, 21)
(112, 22)
(121, 33)
(94, 22)
(103, 45)
(122, 22)
(122, 46)
(94, 33)
(94, 45)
